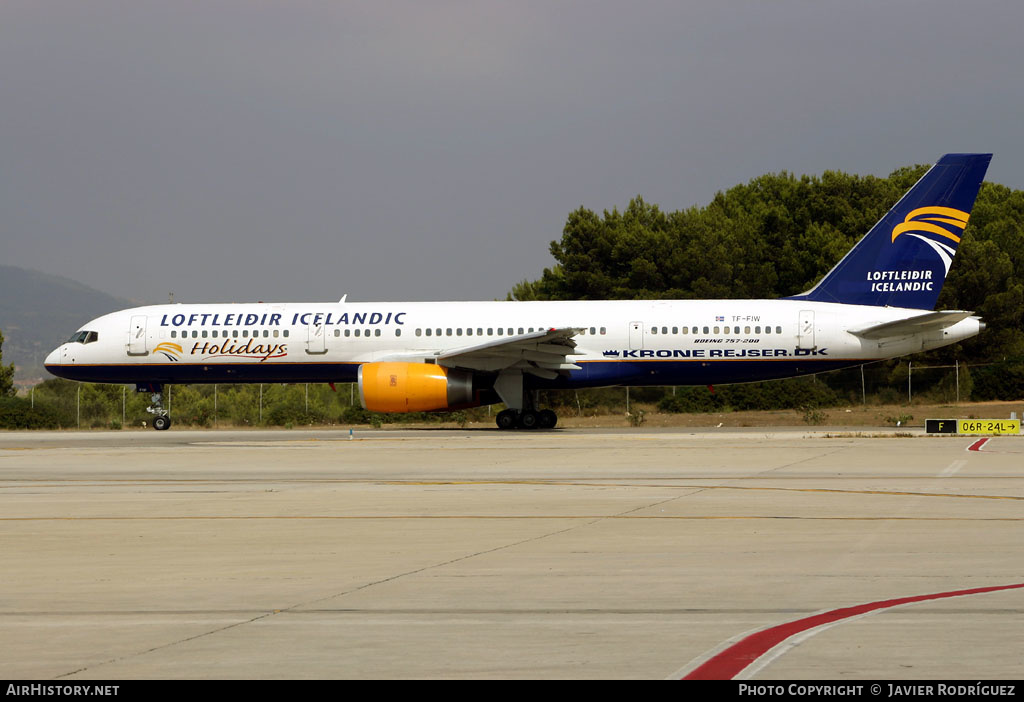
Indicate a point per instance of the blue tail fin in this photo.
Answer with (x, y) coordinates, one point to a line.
(904, 259)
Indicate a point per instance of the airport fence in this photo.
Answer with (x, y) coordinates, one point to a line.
(60, 403)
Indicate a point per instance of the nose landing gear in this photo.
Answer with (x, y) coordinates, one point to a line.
(161, 419)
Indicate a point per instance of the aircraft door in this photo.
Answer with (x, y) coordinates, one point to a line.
(316, 339)
(137, 336)
(636, 335)
(805, 330)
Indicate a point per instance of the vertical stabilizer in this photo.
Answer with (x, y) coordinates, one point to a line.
(904, 259)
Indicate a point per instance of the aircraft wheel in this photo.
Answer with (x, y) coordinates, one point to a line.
(161, 423)
(529, 419)
(548, 419)
(506, 419)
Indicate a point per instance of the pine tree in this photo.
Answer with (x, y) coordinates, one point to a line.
(6, 373)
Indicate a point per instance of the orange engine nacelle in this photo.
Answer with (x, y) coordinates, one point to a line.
(413, 387)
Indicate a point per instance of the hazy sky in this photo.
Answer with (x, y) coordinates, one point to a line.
(300, 150)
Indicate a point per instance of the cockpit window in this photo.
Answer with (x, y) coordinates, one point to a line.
(84, 337)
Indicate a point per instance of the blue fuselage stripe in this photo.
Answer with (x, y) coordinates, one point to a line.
(590, 374)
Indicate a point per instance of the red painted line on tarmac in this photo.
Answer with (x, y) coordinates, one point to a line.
(733, 660)
(976, 446)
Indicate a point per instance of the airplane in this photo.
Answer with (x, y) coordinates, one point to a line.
(876, 303)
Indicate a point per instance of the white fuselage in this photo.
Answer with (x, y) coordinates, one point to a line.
(666, 342)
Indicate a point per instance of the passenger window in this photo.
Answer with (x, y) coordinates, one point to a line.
(778, 330)
(593, 330)
(654, 330)
(348, 332)
(357, 332)
(419, 332)
(286, 332)
(725, 330)
(716, 330)
(603, 330)
(706, 330)
(398, 332)
(174, 334)
(428, 332)
(746, 330)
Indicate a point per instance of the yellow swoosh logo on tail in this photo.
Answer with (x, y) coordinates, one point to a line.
(931, 219)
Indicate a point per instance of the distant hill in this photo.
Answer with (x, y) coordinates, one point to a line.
(39, 311)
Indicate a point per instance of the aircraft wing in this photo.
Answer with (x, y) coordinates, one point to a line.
(542, 353)
(932, 321)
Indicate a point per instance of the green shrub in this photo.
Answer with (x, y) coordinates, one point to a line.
(18, 413)
(1000, 381)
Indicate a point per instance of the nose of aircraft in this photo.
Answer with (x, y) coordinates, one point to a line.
(53, 358)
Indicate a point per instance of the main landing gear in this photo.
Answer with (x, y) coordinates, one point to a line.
(521, 402)
(161, 419)
(527, 419)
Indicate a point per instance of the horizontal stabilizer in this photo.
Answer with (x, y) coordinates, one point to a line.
(933, 321)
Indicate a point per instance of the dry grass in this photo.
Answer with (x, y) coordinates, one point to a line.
(855, 416)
